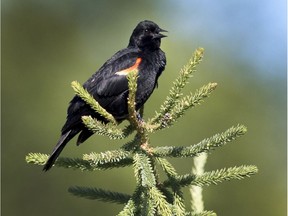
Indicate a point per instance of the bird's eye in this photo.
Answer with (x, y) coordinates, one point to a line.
(146, 30)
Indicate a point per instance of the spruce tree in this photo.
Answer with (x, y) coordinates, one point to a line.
(151, 195)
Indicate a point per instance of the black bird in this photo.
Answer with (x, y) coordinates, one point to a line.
(109, 85)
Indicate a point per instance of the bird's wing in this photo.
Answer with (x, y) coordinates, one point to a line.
(117, 83)
(106, 85)
(111, 79)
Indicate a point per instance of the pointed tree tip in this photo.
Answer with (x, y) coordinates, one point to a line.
(73, 83)
(243, 128)
(214, 85)
(200, 49)
(199, 52)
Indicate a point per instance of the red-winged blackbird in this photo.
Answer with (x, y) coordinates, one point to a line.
(109, 85)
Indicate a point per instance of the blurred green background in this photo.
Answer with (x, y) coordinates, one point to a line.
(48, 44)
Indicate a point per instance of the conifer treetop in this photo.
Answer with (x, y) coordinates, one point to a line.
(153, 196)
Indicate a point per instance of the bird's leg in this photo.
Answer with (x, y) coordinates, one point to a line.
(140, 114)
(139, 117)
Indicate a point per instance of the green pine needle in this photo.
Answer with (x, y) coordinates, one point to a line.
(107, 157)
(74, 163)
(36, 158)
(176, 91)
(167, 167)
(147, 205)
(218, 176)
(143, 170)
(99, 194)
(186, 103)
(163, 207)
(192, 100)
(84, 94)
(206, 145)
(214, 177)
(132, 85)
(178, 206)
(129, 209)
(111, 131)
(77, 163)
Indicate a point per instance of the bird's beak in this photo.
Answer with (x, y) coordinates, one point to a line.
(162, 30)
(159, 35)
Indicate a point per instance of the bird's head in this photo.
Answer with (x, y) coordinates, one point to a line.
(146, 35)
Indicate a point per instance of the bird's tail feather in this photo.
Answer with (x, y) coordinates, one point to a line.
(64, 139)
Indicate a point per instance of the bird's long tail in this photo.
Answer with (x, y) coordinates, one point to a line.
(64, 139)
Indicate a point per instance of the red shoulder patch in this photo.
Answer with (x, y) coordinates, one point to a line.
(130, 69)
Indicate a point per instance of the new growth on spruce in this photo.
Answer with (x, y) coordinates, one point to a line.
(151, 195)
